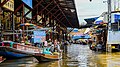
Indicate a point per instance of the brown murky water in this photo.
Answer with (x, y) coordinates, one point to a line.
(77, 56)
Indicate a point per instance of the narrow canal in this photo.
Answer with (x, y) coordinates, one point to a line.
(77, 56)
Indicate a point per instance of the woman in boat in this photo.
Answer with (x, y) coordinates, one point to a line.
(52, 47)
(57, 46)
(46, 49)
(22, 42)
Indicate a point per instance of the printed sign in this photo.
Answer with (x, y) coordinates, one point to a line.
(113, 37)
(39, 36)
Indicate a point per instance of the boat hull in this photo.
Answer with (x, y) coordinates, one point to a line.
(16, 50)
(2, 59)
(47, 58)
(10, 53)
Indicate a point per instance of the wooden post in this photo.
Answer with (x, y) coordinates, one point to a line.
(13, 25)
(109, 23)
(23, 28)
(0, 23)
(53, 30)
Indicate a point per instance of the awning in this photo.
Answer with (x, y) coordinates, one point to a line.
(99, 20)
(91, 20)
(64, 13)
(75, 30)
(86, 26)
(81, 37)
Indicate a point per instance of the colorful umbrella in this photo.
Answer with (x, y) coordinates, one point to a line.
(35, 26)
(27, 24)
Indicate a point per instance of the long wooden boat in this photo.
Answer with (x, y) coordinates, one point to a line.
(2, 59)
(17, 50)
(47, 57)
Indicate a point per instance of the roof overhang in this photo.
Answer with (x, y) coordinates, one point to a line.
(66, 9)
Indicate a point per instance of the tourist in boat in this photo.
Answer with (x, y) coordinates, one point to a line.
(27, 42)
(65, 46)
(46, 49)
(32, 39)
(52, 47)
(57, 46)
(22, 42)
(11, 44)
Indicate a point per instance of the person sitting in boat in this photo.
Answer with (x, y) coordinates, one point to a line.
(27, 42)
(57, 46)
(52, 47)
(46, 49)
(22, 42)
(11, 44)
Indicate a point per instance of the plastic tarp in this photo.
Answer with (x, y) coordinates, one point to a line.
(99, 20)
(91, 20)
(81, 37)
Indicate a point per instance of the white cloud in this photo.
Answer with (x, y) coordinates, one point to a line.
(86, 9)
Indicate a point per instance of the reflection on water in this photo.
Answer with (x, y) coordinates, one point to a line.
(109, 59)
(77, 56)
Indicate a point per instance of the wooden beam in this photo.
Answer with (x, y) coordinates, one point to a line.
(3, 3)
(34, 7)
(43, 9)
(63, 13)
(48, 13)
(54, 17)
(53, 14)
(18, 8)
(70, 30)
(58, 14)
(60, 17)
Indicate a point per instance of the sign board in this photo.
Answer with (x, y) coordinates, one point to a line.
(115, 17)
(9, 5)
(113, 37)
(39, 36)
(28, 2)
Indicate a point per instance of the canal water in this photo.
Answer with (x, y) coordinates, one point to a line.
(76, 56)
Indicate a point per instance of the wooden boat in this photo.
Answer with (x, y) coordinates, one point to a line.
(47, 57)
(2, 59)
(17, 50)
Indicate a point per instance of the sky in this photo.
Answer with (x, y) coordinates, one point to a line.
(28, 2)
(87, 9)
